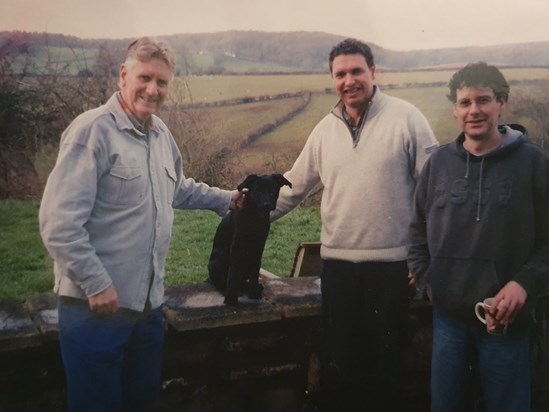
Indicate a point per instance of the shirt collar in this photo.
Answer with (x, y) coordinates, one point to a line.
(150, 124)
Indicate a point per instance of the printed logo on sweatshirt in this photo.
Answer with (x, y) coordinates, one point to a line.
(464, 192)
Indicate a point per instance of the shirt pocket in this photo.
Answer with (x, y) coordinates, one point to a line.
(171, 181)
(123, 185)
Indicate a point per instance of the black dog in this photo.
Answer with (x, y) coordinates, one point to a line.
(240, 239)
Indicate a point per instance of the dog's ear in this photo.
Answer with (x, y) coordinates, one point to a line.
(281, 180)
(250, 179)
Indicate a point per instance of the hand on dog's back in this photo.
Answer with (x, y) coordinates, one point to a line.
(262, 191)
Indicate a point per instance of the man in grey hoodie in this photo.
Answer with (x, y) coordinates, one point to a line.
(480, 230)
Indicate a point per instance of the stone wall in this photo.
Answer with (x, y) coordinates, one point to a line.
(262, 351)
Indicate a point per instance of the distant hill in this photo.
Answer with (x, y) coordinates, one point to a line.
(535, 54)
(261, 52)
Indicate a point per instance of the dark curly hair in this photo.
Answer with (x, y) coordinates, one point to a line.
(479, 75)
(352, 46)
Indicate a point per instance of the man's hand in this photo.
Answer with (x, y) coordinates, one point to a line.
(411, 280)
(412, 286)
(508, 302)
(237, 199)
(105, 302)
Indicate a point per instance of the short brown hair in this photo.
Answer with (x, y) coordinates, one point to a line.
(352, 46)
(477, 75)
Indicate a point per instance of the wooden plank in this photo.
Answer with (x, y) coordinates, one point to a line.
(266, 275)
(307, 261)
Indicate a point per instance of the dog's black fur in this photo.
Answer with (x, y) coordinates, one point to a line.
(240, 239)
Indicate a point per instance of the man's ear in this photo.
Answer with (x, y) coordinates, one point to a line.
(122, 75)
(250, 179)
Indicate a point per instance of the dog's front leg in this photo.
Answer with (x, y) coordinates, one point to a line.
(235, 268)
(218, 264)
(231, 294)
(255, 289)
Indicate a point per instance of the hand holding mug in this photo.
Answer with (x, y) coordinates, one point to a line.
(483, 311)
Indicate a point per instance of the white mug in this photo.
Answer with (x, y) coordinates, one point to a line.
(492, 326)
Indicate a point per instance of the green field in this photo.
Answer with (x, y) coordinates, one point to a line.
(278, 147)
(234, 122)
(27, 269)
(281, 146)
(276, 150)
(207, 89)
(65, 60)
(201, 89)
(437, 76)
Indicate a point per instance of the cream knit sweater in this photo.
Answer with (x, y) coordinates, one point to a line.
(369, 184)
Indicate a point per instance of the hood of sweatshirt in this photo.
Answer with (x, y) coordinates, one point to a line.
(514, 136)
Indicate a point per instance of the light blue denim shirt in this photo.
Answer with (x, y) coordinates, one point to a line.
(107, 210)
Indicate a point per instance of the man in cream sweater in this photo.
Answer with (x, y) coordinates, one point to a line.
(367, 153)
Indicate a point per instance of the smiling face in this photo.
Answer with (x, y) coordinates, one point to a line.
(477, 112)
(144, 86)
(353, 80)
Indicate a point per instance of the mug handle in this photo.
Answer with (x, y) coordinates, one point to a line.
(477, 312)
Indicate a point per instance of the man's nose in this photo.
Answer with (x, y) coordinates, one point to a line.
(349, 79)
(152, 89)
(474, 108)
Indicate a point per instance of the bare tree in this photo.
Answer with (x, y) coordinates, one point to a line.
(205, 153)
(37, 102)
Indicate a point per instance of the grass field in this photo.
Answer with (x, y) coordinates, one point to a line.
(437, 76)
(276, 150)
(27, 269)
(215, 88)
(194, 231)
(234, 122)
(279, 148)
(207, 89)
(66, 60)
(435, 106)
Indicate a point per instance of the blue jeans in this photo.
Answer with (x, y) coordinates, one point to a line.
(112, 362)
(502, 363)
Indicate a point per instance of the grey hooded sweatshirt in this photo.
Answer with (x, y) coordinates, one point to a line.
(481, 221)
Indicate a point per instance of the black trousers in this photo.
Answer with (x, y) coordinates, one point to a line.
(365, 315)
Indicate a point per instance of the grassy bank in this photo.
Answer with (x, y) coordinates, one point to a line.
(26, 269)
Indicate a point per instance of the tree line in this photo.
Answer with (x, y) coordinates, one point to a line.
(294, 51)
(35, 109)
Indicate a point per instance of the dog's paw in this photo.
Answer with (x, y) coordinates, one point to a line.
(231, 301)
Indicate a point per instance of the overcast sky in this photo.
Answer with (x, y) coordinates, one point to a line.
(392, 24)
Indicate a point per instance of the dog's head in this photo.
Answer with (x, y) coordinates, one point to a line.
(263, 191)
